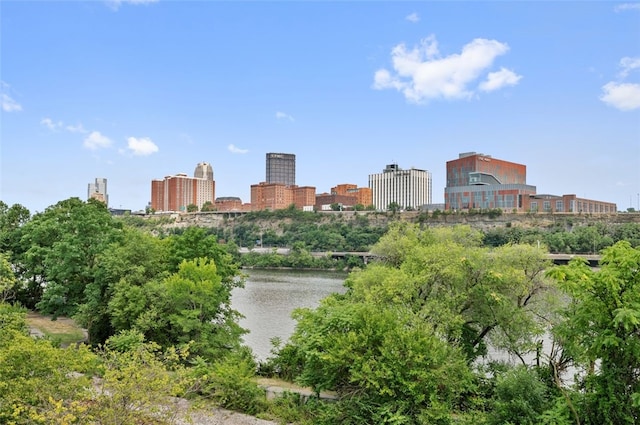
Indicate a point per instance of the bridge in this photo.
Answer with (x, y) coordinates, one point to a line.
(559, 259)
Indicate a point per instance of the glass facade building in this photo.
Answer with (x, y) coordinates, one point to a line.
(281, 168)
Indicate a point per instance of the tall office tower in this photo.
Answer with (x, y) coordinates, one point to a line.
(408, 188)
(204, 170)
(98, 190)
(281, 168)
(478, 181)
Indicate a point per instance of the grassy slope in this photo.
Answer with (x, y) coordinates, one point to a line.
(62, 329)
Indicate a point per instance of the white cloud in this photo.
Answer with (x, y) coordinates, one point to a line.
(95, 141)
(115, 4)
(500, 79)
(234, 149)
(141, 146)
(628, 64)
(623, 96)
(619, 94)
(57, 125)
(76, 128)
(413, 17)
(422, 74)
(10, 105)
(627, 6)
(284, 116)
(50, 124)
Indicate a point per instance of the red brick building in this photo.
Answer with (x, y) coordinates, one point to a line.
(325, 200)
(230, 203)
(569, 203)
(363, 195)
(478, 181)
(177, 192)
(277, 196)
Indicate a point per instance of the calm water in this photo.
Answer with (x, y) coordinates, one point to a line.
(269, 297)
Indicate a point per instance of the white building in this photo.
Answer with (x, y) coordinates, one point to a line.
(98, 190)
(408, 188)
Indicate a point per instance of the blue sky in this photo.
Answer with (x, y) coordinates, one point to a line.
(137, 90)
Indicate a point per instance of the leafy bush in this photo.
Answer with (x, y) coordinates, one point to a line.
(231, 383)
(520, 398)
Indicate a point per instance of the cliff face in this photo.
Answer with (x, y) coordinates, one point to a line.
(479, 221)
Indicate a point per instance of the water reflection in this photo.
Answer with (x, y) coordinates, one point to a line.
(270, 296)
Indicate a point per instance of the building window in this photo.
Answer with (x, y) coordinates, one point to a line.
(534, 205)
(546, 205)
(559, 206)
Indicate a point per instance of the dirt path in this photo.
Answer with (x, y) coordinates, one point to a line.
(40, 324)
(223, 417)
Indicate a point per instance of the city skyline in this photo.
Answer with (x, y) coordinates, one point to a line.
(135, 90)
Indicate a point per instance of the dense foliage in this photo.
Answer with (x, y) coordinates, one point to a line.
(408, 343)
(601, 333)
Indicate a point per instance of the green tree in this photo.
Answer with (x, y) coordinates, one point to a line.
(520, 398)
(136, 259)
(192, 208)
(7, 280)
(194, 243)
(394, 207)
(59, 248)
(191, 305)
(387, 364)
(471, 294)
(11, 219)
(208, 206)
(421, 315)
(601, 332)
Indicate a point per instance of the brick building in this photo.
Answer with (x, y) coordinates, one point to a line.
(277, 196)
(177, 192)
(363, 195)
(569, 203)
(230, 203)
(478, 181)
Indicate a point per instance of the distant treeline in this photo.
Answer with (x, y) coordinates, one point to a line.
(337, 232)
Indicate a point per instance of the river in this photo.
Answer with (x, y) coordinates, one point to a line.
(270, 296)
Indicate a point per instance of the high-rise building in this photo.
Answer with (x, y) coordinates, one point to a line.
(203, 170)
(407, 188)
(281, 168)
(98, 190)
(478, 181)
(177, 192)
